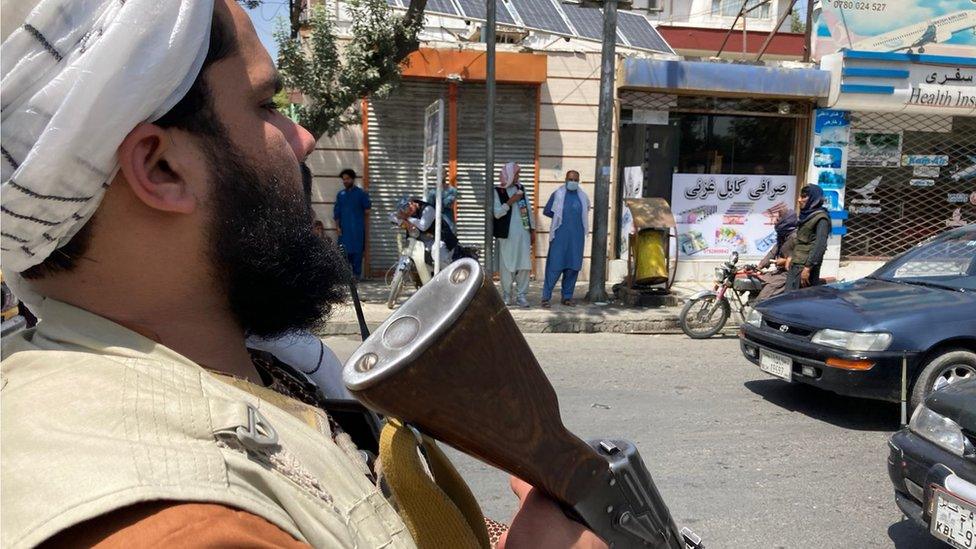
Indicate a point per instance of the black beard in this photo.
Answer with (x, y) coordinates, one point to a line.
(279, 276)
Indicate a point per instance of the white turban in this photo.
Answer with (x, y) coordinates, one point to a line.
(508, 173)
(77, 77)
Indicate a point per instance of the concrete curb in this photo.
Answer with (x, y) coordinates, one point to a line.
(659, 316)
(537, 321)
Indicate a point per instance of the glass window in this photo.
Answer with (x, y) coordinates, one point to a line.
(711, 143)
(948, 261)
(730, 8)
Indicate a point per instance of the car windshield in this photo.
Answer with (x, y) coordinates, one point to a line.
(948, 261)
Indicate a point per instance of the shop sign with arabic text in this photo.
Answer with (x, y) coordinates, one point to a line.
(722, 213)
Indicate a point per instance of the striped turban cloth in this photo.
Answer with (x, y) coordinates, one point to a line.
(77, 77)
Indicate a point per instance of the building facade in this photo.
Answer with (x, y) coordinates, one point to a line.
(910, 150)
(725, 144)
(902, 167)
(546, 117)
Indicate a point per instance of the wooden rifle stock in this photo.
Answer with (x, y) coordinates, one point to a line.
(456, 366)
(452, 362)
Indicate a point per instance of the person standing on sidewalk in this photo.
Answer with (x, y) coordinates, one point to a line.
(349, 213)
(812, 232)
(514, 228)
(568, 207)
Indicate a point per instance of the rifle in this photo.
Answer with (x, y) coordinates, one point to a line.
(354, 295)
(361, 423)
(452, 363)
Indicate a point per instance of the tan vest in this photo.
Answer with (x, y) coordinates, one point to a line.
(96, 418)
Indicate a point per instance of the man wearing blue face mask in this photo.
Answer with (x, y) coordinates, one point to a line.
(568, 207)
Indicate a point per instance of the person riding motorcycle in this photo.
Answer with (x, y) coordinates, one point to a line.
(416, 213)
(774, 282)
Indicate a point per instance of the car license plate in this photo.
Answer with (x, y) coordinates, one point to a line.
(954, 520)
(774, 363)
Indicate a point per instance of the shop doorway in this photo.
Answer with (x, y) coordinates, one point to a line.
(745, 155)
(653, 148)
(660, 158)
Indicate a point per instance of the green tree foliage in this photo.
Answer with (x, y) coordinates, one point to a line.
(281, 100)
(334, 77)
(796, 22)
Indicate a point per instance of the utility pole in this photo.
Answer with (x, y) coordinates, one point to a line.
(601, 195)
(769, 37)
(808, 51)
(489, 136)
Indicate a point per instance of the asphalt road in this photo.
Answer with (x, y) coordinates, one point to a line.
(743, 459)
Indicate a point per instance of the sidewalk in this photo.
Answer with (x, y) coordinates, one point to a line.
(584, 318)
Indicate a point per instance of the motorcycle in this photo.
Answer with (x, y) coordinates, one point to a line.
(706, 312)
(416, 262)
(411, 263)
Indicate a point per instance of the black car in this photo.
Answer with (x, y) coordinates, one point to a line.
(853, 338)
(932, 464)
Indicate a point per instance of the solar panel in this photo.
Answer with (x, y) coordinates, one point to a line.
(545, 16)
(541, 15)
(441, 6)
(476, 9)
(588, 21)
(640, 33)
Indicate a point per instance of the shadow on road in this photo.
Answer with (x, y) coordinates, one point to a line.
(908, 535)
(846, 412)
(727, 333)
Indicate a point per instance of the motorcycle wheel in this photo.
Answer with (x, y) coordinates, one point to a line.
(697, 323)
(396, 286)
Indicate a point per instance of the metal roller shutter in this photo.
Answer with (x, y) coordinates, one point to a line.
(515, 141)
(395, 155)
(396, 137)
(887, 212)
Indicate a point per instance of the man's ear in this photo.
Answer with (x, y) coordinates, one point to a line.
(157, 170)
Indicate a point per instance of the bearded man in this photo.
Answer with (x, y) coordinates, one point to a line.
(153, 213)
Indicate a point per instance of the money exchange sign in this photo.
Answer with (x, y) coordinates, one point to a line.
(718, 214)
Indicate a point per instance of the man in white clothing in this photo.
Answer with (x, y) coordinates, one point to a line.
(515, 230)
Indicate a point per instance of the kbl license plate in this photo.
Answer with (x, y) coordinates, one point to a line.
(953, 520)
(779, 365)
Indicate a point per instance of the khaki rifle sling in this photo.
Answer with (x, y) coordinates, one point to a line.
(439, 512)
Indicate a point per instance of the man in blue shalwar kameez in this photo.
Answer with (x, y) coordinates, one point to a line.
(349, 213)
(568, 207)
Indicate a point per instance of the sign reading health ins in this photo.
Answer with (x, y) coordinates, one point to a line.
(902, 82)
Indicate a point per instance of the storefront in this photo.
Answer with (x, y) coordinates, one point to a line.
(724, 144)
(394, 133)
(909, 156)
